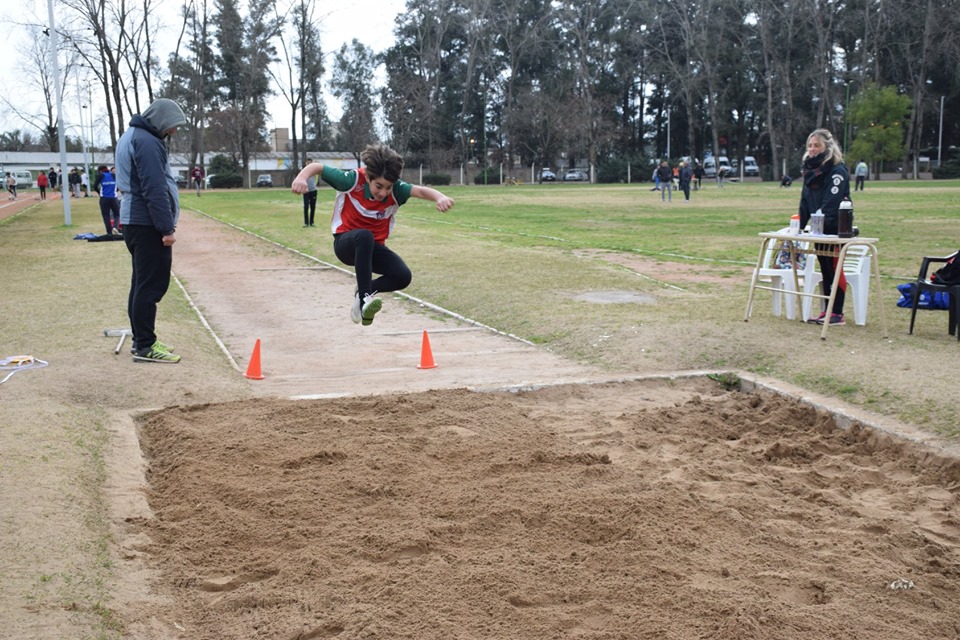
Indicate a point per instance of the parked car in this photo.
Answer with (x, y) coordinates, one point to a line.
(206, 181)
(181, 181)
(547, 175)
(750, 166)
(575, 175)
(264, 180)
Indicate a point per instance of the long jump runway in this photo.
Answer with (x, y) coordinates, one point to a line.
(248, 289)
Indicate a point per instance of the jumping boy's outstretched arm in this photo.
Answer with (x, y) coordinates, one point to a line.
(300, 182)
(444, 203)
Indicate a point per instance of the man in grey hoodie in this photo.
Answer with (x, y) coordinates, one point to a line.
(149, 210)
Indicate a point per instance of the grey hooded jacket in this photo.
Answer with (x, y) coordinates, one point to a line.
(145, 179)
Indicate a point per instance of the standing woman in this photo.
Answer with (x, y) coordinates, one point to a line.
(42, 183)
(826, 183)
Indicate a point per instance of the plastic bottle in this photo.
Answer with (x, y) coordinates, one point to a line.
(795, 224)
(845, 219)
(816, 223)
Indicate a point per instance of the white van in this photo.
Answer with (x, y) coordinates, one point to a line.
(750, 167)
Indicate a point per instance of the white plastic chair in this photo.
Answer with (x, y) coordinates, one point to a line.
(856, 268)
(782, 278)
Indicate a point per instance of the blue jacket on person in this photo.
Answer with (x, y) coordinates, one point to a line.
(149, 194)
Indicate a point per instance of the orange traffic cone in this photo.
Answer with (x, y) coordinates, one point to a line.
(253, 369)
(426, 355)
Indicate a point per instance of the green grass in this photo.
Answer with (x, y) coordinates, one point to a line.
(910, 218)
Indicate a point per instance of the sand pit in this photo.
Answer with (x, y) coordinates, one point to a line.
(650, 509)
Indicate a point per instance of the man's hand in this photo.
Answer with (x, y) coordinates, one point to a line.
(299, 185)
(169, 240)
(444, 203)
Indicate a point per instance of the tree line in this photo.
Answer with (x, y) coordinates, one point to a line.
(609, 83)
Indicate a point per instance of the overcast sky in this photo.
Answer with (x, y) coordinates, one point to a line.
(371, 22)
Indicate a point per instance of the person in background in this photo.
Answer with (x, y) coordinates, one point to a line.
(197, 175)
(665, 174)
(686, 175)
(105, 184)
(310, 199)
(825, 185)
(698, 175)
(149, 211)
(73, 179)
(860, 172)
(11, 184)
(42, 182)
(363, 217)
(53, 177)
(85, 182)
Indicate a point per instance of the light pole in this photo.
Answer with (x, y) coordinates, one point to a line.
(846, 127)
(83, 137)
(940, 139)
(54, 45)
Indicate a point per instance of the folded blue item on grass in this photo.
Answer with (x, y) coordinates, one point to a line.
(928, 299)
(84, 236)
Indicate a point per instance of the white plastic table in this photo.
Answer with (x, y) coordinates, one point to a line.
(841, 244)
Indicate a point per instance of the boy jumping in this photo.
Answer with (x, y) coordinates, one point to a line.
(363, 217)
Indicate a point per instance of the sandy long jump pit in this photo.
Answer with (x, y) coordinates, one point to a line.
(643, 509)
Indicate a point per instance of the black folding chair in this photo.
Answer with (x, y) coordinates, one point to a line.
(923, 284)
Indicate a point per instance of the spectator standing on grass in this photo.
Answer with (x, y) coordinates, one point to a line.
(656, 179)
(105, 184)
(721, 174)
(149, 210)
(363, 217)
(52, 176)
(310, 199)
(861, 174)
(665, 174)
(826, 184)
(73, 179)
(686, 175)
(85, 183)
(698, 174)
(197, 175)
(42, 182)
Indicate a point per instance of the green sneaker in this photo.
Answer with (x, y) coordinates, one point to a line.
(155, 354)
(370, 308)
(156, 345)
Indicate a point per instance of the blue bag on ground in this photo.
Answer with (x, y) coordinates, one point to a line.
(928, 299)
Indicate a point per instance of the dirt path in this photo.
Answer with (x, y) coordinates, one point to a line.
(299, 309)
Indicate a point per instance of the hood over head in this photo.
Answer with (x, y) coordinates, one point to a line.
(164, 114)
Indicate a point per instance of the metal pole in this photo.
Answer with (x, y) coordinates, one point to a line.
(940, 139)
(55, 46)
(845, 126)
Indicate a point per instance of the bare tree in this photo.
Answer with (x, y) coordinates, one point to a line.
(38, 56)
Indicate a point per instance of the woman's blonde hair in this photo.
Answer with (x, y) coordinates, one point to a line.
(830, 146)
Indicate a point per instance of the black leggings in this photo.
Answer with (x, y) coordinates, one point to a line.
(149, 281)
(110, 212)
(358, 249)
(828, 269)
(309, 207)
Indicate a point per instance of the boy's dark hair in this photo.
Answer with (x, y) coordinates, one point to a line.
(382, 162)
